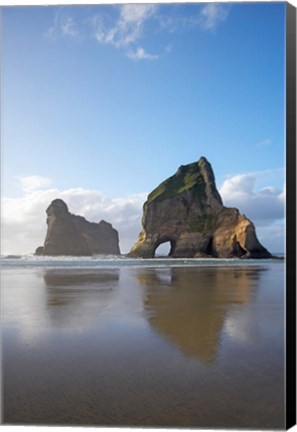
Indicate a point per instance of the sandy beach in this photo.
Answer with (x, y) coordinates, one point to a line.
(145, 346)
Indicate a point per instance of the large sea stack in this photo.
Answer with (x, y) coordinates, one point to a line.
(187, 211)
(68, 234)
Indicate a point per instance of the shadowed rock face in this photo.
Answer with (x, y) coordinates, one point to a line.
(187, 210)
(68, 234)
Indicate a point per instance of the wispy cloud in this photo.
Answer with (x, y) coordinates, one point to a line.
(141, 54)
(64, 25)
(126, 27)
(127, 30)
(136, 13)
(206, 18)
(68, 27)
(264, 143)
(212, 14)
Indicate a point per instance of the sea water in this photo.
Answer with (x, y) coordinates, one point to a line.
(134, 342)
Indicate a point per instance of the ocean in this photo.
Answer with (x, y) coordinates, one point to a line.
(110, 341)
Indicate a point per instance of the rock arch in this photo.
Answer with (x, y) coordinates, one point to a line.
(187, 210)
(171, 242)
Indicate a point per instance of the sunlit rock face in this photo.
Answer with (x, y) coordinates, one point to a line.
(187, 210)
(68, 234)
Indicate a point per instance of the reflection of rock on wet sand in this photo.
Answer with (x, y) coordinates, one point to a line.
(189, 306)
(80, 277)
(74, 295)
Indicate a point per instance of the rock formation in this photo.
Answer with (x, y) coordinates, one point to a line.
(187, 210)
(68, 234)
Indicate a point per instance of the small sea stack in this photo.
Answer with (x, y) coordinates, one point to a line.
(72, 235)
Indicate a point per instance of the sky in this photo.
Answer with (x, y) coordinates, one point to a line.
(100, 104)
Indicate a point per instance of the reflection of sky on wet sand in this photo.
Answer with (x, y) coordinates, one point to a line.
(41, 302)
(144, 346)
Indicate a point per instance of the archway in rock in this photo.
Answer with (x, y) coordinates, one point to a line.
(164, 249)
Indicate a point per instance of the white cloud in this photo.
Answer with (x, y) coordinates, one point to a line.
(141, 54)
(31, 183)
(212, 14)
(24, 217)
(265, 207)
(261, 205)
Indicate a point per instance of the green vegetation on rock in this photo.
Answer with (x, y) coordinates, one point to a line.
(204, 224)
(186, 178)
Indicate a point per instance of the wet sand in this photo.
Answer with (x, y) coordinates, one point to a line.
(181, 347)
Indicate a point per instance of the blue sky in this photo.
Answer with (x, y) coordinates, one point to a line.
(108, 101)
